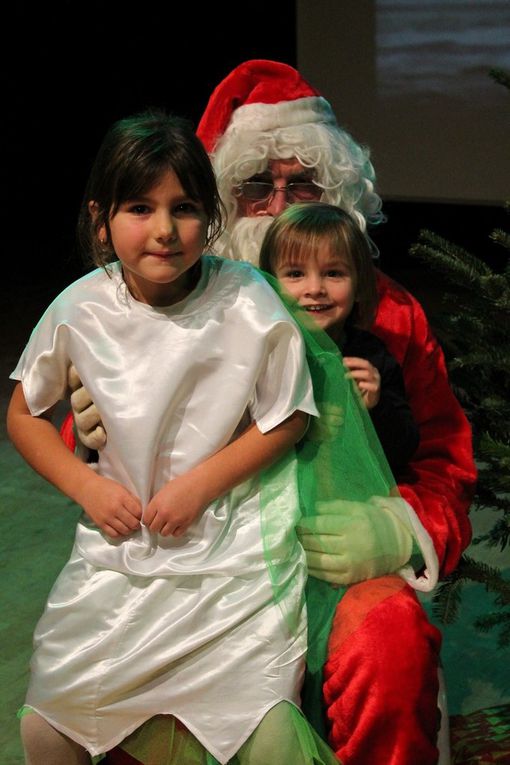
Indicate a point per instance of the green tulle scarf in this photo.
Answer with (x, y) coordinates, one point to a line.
(340, 457)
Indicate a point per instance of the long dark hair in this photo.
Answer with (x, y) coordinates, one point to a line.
(135, 152)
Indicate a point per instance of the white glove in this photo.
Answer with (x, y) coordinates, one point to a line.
(87, 420)
(348, 542)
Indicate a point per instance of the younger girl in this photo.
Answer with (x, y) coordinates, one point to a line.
(182, 595)
(321, 258)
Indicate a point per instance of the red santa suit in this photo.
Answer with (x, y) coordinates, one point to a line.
(381, 676)
(381, 673)
(439, 483)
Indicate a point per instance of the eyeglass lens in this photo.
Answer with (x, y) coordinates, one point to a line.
(258, 191)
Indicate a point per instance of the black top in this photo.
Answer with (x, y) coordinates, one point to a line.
(392, 417)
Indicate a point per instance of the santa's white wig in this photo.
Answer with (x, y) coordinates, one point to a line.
(265, 110)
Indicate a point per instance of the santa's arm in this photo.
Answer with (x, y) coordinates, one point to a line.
(345, 544)
(440, 480)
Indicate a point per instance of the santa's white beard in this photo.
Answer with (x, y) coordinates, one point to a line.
(245, 238)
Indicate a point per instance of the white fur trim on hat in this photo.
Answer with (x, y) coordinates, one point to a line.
(282, 114)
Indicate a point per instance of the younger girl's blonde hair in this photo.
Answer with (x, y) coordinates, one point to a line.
(303, 229)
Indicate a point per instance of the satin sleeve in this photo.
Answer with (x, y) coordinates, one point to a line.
(284, 384)
(42, 367)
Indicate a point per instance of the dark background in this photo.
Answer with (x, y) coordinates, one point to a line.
(72, 68)
(69, 69)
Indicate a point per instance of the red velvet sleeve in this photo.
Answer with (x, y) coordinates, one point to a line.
(67, 432)
(440, 480)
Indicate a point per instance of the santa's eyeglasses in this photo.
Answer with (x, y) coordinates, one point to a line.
(263, 191)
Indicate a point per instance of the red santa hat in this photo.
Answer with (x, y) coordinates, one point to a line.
(261, 95)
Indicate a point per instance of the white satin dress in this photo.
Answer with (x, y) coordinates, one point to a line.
(148, 625)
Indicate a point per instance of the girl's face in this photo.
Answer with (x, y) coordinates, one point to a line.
(158, 237)
(323, 284)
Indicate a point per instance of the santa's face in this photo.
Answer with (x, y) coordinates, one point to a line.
(268, 193)
(287, 181)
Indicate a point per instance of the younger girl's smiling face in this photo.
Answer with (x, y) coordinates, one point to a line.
(323, 284)
(158, 237)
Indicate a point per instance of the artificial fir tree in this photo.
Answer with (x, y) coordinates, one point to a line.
(473, 327)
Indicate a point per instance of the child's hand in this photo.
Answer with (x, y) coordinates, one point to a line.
(367, 378)
(110, 506)
(174, 508)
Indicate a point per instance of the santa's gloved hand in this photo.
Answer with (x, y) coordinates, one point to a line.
(348, 542)
(87, 420)
(326, 427)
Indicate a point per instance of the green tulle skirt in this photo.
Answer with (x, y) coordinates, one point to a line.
(284, 736)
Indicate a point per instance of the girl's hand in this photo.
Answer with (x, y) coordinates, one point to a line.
(367, 378)
(110, 506)
(174, 508)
